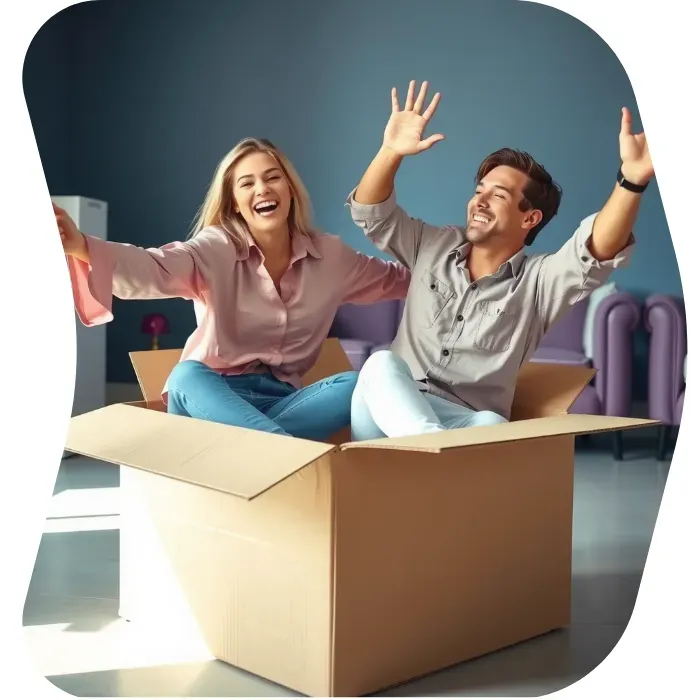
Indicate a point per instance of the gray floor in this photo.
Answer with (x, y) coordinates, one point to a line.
(80, 644)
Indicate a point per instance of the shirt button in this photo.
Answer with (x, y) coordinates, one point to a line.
(433, 287)
(474, 285)
(445, 352)
(460, 318)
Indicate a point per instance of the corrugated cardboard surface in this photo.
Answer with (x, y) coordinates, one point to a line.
(521, 431)
(254, 575)
(548, 389)
(442, 560)
(344, 570)
(149, 589)
(197, 451)
(153, 367)
(430, 566)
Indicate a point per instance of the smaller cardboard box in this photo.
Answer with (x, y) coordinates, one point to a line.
(341, 568)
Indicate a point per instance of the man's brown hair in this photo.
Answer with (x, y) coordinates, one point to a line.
(541, 192)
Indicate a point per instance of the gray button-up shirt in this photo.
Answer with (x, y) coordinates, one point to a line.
(466, 340)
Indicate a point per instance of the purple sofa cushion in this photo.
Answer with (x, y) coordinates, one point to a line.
(567, 332)
(665, 321)
(381, 346)
(372, 322)
(357, 351)
(560, 356)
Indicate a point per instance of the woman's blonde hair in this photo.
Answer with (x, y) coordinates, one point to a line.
(218, 208)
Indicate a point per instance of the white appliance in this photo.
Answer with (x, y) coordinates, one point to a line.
(90, 216)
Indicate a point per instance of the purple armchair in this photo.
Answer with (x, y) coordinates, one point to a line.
(665, 321)
(363, 330)
(616, 319)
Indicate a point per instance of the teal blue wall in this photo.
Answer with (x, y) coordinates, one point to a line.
(158, 91)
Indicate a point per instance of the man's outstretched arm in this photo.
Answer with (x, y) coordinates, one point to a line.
(612, 228)
(403, 136)
(373, 202)
(377, 183)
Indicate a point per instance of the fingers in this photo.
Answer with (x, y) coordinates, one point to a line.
(61, 216)
(394, 100)
(415, 104)
(432, 107)
(626, 124)
(425, 144)
(409, 96)
(421, 97)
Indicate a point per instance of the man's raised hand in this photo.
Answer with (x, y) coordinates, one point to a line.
(404, 131)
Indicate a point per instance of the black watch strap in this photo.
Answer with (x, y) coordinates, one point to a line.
(629, 185)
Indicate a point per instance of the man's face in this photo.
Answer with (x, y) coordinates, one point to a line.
(493, 214)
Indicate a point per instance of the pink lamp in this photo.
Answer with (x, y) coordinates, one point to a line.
(156, 325)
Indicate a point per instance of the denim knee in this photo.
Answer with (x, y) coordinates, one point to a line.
(348, 379)
(183, 372)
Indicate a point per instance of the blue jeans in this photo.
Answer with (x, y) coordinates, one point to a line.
(387, 403)
(261, 401)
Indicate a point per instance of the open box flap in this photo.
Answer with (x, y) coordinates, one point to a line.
(241, 462)
(153, 367)
(528, 429)
(548, 389)
(331, 360)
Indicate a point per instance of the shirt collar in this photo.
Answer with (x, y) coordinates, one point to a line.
(509, 267)
(302, 245)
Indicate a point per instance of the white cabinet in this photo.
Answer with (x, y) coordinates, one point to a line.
(90, 216)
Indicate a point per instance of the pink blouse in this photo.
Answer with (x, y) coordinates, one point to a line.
(243, 324)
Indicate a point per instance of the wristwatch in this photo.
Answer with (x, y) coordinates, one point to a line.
(629, 185)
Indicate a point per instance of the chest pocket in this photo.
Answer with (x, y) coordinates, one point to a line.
(496, 324)
(433, 297)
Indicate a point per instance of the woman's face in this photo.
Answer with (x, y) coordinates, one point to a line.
(261, 193)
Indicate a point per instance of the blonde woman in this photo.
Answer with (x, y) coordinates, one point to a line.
(265, 287)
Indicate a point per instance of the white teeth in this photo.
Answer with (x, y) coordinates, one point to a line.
(266, 203)
(480, 219)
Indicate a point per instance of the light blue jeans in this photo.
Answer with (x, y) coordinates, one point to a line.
(387, 403)
(261, 401)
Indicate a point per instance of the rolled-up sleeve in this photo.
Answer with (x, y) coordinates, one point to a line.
(572, 273)
(391, 229)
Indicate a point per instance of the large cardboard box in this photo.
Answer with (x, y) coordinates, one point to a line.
(341, 569)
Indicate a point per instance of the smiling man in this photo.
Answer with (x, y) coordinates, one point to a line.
(478, 305)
